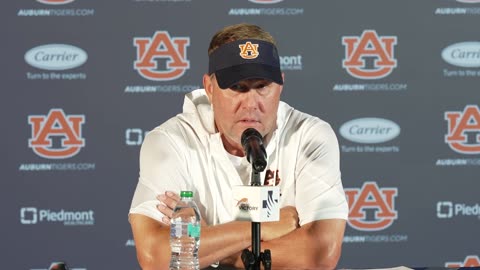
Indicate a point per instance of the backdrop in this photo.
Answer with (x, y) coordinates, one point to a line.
(84, 81)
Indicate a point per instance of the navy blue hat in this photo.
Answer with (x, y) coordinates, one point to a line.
(245, 59)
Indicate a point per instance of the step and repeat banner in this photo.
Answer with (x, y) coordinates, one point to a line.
(84, 81)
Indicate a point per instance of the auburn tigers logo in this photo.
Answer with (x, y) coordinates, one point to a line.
(470, 261)
(56, 135)
(173, 52)
(371, 208)
(248, 50)
(369, 56)
(464, 130)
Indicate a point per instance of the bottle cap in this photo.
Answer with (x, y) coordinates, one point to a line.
(186, 194)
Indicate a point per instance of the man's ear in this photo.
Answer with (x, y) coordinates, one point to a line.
(208, 85)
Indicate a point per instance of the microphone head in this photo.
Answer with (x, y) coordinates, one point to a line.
(247, 135)
(252, 143)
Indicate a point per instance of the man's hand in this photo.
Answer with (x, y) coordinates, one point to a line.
(288, 222)
(168, 201)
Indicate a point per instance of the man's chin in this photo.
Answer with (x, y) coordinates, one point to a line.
(255, 125)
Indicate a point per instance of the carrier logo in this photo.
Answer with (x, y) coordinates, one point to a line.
(464, 130)
(470, 261)
(370, 130)
(369, 56)
(248, 50)
(371, 208)
(265, 1)
(32, 216)
(447, 209)
(56, 57)
(55, 2)
(463, 54)
(56, 135)
(171, 51)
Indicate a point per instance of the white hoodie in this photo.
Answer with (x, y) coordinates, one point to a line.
(186, 153)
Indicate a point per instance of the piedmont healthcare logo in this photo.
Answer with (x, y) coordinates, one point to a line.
(34, 216)
(54, 58)
(367, 133)
(369, 57)
(449, 210)
(134, 136)
(469, 261)
(465, 55)
(463, 136)
(293, 62)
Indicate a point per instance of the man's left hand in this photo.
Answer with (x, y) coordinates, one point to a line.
(168, 201)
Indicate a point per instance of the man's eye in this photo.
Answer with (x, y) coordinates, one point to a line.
(262, 85)
(235, 87)
(239, 88)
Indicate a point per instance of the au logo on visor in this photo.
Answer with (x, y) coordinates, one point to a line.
(248, 50)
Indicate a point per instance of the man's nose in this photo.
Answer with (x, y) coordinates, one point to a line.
(250, 99)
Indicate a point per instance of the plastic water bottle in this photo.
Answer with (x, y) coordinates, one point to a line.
(185, 234)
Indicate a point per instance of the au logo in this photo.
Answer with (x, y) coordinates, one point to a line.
(56, 135)
(248, 50)
(371, 208)
(369, 56)
(470, 261)
(161, 48)
(464, 130)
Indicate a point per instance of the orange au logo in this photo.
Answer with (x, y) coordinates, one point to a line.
(464, 130)
(161, 48)
(369, 56)
(470, 261)
(371, 208)
(248, 50)
(56, 135)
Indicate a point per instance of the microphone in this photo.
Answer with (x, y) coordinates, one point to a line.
(252, 144)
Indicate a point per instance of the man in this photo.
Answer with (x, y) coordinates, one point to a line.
(200, 150)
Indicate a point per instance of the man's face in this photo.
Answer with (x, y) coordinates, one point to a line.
(248, 104)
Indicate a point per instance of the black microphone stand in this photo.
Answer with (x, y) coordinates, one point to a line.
(251, 259)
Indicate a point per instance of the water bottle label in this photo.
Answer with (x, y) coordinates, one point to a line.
(177, 230)
(193, 230)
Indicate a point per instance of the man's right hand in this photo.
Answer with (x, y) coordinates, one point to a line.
(288, 222)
